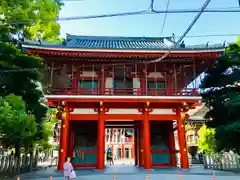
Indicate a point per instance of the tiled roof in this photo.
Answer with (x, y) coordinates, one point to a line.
(124, 43)
(105, 42)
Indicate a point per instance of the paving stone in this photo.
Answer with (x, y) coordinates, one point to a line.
(125, 172)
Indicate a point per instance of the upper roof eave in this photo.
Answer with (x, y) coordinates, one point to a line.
(175, 50)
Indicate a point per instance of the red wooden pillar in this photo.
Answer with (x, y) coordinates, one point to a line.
(136, 144)
(63, 142)
(112, 147)
(182, 140)
(133, 147)
(172, 146)
(101, 139)
(102, 83)
(141, 142)
(147, 144)
(123, 151)
(71, 139)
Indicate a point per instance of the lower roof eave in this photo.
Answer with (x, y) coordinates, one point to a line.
(103, 98)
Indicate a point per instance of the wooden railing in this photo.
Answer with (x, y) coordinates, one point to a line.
(128, 92)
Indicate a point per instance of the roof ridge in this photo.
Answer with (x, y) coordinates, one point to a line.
(143, 38)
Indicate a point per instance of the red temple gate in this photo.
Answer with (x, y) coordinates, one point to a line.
(102, 80)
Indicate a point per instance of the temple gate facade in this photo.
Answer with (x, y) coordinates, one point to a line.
(108, 82)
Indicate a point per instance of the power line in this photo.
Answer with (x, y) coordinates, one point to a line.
(211, 35)
(165, 17)
(143, 12)
(118, 64)
(157, 60)
(185, 33)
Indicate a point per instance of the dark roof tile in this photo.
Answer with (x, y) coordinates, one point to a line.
(105, 42)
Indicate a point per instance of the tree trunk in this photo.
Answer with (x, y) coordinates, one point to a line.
(17, 156)
(17, 150)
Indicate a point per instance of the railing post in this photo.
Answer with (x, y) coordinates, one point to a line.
(237, 161)
(205, 165)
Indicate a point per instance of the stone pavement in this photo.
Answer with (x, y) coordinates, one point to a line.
(125, 172)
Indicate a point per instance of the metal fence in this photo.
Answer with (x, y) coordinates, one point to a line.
(11, 164)
(48, 160)
(226, 161)
(27, 163)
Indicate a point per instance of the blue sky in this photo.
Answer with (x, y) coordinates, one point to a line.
(150, 25)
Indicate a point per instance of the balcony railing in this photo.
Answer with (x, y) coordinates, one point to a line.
(128, 92)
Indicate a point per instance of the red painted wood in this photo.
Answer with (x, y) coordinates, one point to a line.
(141, 142)
(89, 151)
(161, 165)
(84, 165)
(121, 117)
(63, 143)
(133, 147)
(121, 100)
(101, 140)
(128, 92)
(147, 143)
(171, 145)
(182, 141)
(71, 140)
(123, 152)
(121, 54)
(160, 151)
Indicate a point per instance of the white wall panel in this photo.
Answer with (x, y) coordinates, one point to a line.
(83, 111)
(123, 111)
(163, 111)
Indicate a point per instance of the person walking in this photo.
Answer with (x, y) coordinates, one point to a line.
(69, 173)
(110, 157)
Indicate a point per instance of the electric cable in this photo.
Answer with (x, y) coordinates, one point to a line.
(203, 9)
(185, 32)
(142, 12)
(165, 18)
(211, 35)
(118, 64)
(190, 36)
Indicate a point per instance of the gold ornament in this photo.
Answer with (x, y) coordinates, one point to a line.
(148, 104)
(64, 115)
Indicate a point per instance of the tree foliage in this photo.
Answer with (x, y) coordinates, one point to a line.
(17, 127)
(222, 96)
(206, 141)
(14, 79)
(20, 74)
(32, 17)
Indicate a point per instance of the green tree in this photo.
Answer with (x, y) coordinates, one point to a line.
(14, 79)
(20, 74)
(32, 17)
(44, 144)
(206, 141)
(221, 94)
(17, 128)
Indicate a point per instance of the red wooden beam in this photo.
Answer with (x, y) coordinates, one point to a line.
(64, 52)
(122, 117)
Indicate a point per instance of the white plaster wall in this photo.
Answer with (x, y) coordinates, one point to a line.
(163, 111)
(136, 83)
(83, 111)
(156, 75)
(88, 74)
(123, 111)
(109, 84)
